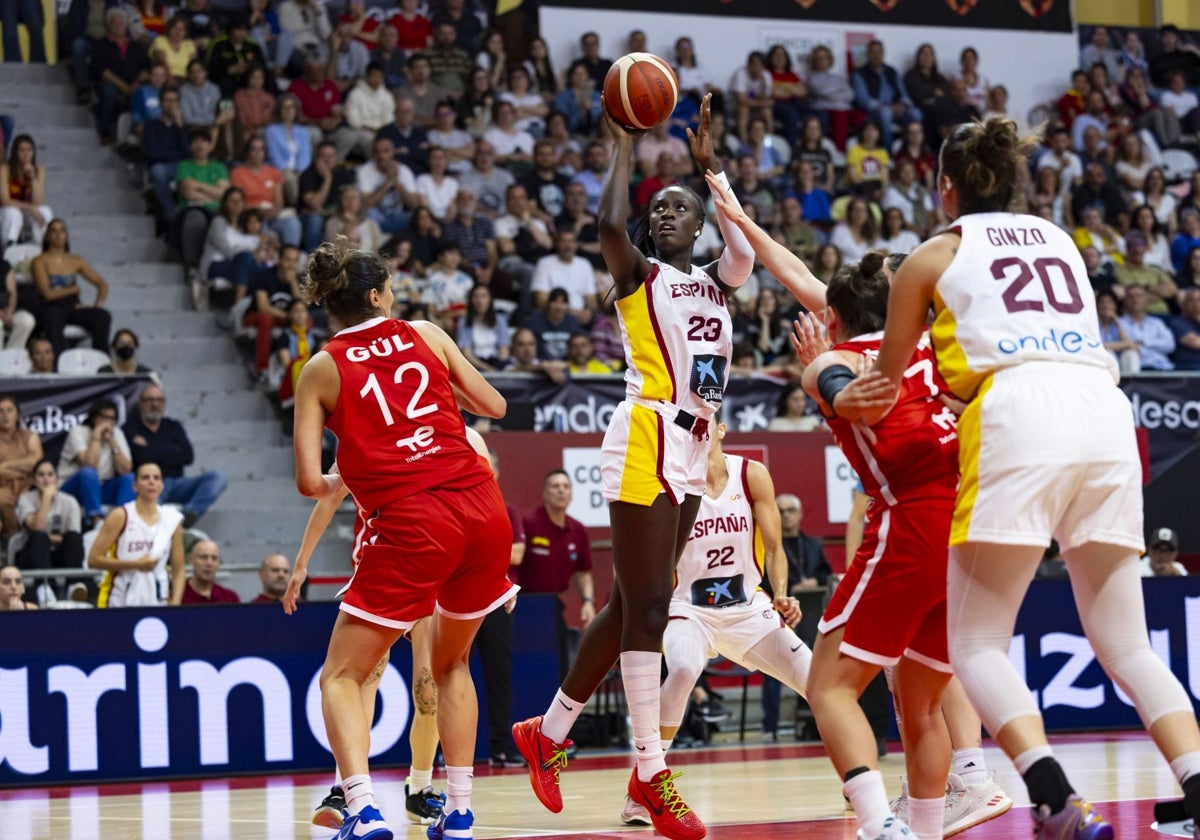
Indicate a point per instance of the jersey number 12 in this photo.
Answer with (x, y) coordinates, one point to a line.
(414, 409)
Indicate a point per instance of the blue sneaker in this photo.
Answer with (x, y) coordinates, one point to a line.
(1077, 821)
(367, 824)
(452, 826)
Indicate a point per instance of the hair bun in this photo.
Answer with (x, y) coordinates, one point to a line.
(326, 270)
(871, 263)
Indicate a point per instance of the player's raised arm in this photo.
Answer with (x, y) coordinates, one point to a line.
(626, 263)
(737, 260)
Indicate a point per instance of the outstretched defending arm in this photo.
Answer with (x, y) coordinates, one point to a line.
(785, 266)
(737, 260)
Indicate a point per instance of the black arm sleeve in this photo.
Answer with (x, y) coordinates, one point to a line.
(832, 380)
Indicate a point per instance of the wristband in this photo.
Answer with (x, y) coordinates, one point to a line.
(723, 179)
(589, 600)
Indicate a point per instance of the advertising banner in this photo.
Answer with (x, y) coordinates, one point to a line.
(585, 403)
(1038, 15)
(1062, 672)
(53, 405)
(1168, 408)
(112, 695)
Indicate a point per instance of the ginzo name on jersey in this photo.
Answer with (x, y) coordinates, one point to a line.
(732, 524)
(1015, 236)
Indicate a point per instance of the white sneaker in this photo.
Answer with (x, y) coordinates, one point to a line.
(899, 805)
(969, 805)
(893, 829)
(633, 813)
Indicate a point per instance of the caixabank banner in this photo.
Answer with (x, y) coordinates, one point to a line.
(1039, 15)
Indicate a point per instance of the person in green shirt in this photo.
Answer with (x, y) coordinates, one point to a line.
(200, 183)
(1160, 288)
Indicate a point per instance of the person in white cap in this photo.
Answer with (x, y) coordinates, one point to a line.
(1162, 555)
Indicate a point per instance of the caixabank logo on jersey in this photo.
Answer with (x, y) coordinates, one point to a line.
(707, 380)
(127, 694)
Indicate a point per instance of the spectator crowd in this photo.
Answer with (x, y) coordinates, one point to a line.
(474, 165)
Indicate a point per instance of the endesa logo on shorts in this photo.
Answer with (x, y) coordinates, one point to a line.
(1052, 341)
(707, 380)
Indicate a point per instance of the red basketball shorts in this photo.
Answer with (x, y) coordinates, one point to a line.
(443, 549)
(892, 601)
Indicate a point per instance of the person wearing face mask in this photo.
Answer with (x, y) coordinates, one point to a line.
(155, 438)
(124, 351)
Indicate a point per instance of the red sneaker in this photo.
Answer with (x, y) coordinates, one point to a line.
(669, 813)
(546, 760)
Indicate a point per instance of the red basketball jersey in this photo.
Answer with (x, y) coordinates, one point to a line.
(397, 423)
(915, 453)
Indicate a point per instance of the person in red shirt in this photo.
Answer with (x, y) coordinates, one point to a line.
(557, 547)
(890, 609)
(365, 27)
(416, 31)
(274, 574)
(437, 538)
(202, 586)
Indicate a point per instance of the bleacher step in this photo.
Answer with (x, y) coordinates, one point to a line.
(233, 426)
(167, 296)
(193, 406)
(183, 351)
(165, 325)
(42, 116)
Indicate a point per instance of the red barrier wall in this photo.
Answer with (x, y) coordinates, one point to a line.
(796, 461)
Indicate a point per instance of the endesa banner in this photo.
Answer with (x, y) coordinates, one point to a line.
(112, 695)
(586, 403)
(1168, 408)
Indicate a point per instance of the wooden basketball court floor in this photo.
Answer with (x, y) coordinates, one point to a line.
(761, 792)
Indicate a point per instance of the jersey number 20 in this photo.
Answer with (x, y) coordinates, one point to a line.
(1042, 267)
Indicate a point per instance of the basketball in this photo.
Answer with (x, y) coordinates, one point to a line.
(640, 90)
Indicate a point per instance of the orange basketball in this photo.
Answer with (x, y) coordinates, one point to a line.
(640, 90)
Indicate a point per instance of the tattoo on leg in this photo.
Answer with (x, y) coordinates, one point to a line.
(425, 693)
(377, 673)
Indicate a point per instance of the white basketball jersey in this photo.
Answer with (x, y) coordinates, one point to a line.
(137, 539)
(677, 334)
(1017, 291)
(722, 561)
